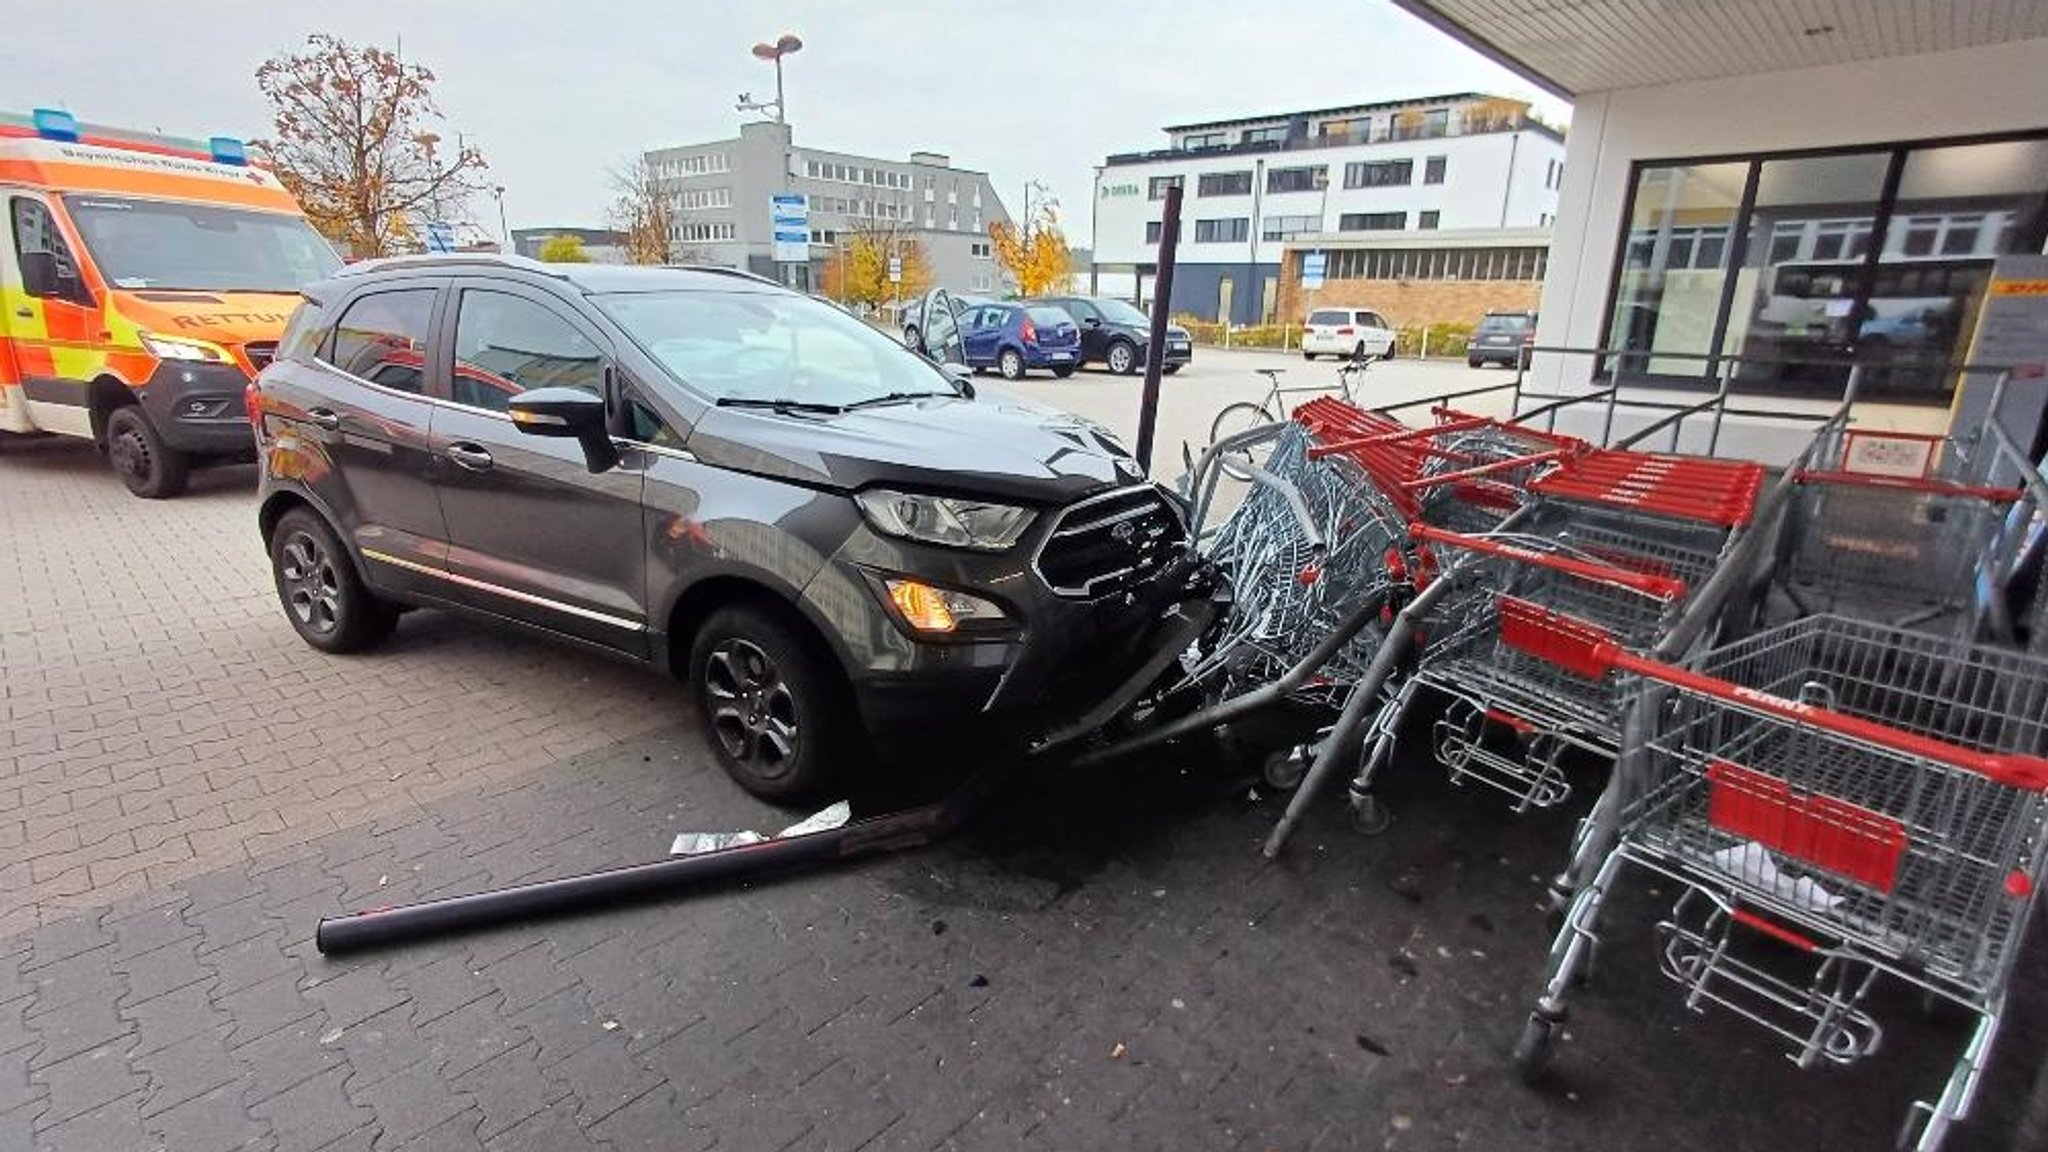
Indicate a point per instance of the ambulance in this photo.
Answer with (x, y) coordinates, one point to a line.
(144, 281)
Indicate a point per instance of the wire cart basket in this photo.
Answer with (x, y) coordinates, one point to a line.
(1859, 799)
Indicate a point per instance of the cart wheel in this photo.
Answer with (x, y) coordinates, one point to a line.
(1368, 815)
(1284, 769)
(1532, 1050)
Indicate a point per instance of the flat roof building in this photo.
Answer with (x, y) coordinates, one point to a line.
(724, 191)
(1255, 184)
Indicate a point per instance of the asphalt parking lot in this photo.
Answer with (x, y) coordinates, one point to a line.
(1105, 962)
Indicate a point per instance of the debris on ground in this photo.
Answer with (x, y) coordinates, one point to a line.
(823, 820)
(1118, 1052)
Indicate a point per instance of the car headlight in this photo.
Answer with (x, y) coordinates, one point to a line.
(184, 348)
(945, 520)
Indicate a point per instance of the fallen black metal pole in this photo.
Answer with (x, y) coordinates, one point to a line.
(911, 828)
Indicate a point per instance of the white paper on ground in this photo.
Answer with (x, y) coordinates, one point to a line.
(692, 843)
(823, 820)
(1753, 863)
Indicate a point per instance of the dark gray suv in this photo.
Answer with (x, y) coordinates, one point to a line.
(837, 543)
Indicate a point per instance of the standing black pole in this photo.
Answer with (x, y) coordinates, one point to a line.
(1162, 299)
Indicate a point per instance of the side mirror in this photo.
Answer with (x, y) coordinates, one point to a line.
(962, 377)
(49, 276)
(569, 413)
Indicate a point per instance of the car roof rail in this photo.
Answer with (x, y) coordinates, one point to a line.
(728, 270)
(451, 259)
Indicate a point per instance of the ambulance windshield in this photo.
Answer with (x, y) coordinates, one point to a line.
(170, 245)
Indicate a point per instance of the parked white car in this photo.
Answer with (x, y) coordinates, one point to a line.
(1346, 332)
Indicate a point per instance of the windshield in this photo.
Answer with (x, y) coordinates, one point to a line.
(166, 244)
(1505, 323)
(1115, 311)
(1329, 318)
(770, 346)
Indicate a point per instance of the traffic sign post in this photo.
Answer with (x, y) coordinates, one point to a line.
(790, 213)
(895, 270)
(440, 236)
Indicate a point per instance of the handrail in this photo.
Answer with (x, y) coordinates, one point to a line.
(1765, 361)
(1390, 409)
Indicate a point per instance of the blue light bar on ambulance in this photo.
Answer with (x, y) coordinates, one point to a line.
(228, 150)
(55, 124)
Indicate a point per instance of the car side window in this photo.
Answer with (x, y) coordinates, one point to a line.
(506, 344)
(645, 425)
(1080, 310)
(37, 238)
(382, 338)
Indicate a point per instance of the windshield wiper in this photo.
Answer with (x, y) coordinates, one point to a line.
(780, 404)
(895, 398)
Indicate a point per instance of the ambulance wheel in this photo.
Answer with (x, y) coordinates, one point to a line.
(150, 468)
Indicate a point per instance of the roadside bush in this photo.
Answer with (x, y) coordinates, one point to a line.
(1448, 340)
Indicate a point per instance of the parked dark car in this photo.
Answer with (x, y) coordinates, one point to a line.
(1014, 338)
(831, 538)
(1114, 333)
(1502, 338)
(915, 325)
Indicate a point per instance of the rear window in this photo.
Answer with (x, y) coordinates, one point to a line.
(1049, 316)
(1329, 316)
(1507, 323)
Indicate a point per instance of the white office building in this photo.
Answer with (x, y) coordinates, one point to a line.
(1251, 186)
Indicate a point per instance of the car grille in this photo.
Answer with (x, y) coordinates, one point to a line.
(260, 354)
(1108, 543)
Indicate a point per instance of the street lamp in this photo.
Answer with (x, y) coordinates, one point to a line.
(785, 45)
(504, 233)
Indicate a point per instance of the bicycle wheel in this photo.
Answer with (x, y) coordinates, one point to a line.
(1242, 416)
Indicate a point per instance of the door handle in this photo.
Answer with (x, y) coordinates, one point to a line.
(469, 456)
(324, 418)
(24, 313)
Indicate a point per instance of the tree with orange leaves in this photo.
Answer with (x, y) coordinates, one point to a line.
(857, 272)
(1037, 257)
(356, 142)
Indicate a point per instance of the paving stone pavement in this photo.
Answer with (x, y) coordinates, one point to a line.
(1105, 962)
(158, 718)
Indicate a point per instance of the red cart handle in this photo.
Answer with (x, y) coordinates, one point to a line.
(1662, 587)
(1591, 651)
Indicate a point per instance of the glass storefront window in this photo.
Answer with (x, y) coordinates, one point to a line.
(1803, 265)
(1795, 294)
(1671, 278)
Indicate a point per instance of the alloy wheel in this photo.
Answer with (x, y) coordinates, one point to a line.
(753, 711)
(312, 587)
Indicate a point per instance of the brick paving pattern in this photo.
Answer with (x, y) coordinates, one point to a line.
(1104, 963)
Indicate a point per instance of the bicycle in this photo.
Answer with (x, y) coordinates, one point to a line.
(1245, 415)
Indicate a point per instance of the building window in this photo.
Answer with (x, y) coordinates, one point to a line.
(1274, 134)
(1433, 169)
(1224, 184)
(1288, 227)
(1357, 130)
(1379, 173)
(953, 218)
(1155, 189)
(1204, 141)
(1428, 220)
(1152, 229)
(1295, 179)
(811, 169)
(1417, 124)
(1231, 230)
(1372, 221)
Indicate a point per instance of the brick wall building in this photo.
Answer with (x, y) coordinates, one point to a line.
(1452, 278)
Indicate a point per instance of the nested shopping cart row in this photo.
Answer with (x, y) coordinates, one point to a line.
(1806, 701)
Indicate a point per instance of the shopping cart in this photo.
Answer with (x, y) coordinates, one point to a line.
(1865, 800)
(1890, 526)
(1313, 540)
(1614, 537)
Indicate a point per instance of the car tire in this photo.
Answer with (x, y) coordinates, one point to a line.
(774, 712)
(150, 468)
(1170, 369)
(1389, 353)
(323, 597)
(1011, 364)
(1122, 357)
(1474, 362)
(1308, 356)
(1063, 371)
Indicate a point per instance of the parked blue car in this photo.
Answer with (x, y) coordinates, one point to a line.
(1014, 338)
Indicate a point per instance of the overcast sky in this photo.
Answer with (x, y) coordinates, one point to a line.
(555, 93)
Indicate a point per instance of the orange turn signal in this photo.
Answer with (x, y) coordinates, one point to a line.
(923, 606)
